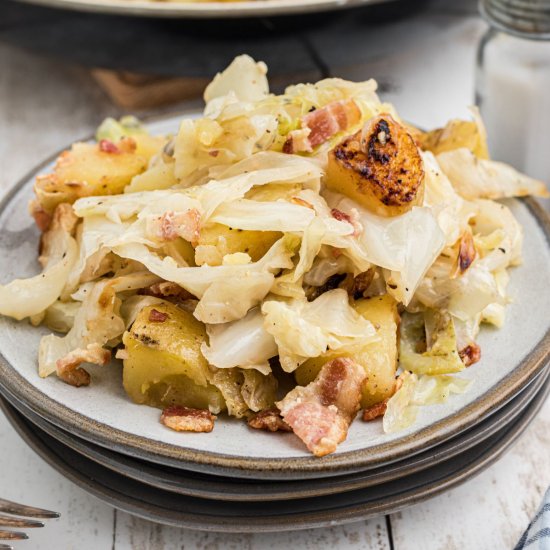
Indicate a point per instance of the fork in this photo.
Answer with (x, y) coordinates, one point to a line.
(14, 509)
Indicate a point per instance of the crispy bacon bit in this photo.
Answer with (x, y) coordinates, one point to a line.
(156, 316)
(352, 219)
(41, 217)
(302, 202)
(172, 225)
(321, 412)
(107, 146)
(269, 420)
(375, 411)
(68, 368)
(167, 289)
(331, 119)
(185, 419)
(466, 253)
(321, 125)
(470, 354)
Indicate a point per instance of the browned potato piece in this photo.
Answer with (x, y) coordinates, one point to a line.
(379, 167)
(379, 358)
(455, 135)
(103, 168)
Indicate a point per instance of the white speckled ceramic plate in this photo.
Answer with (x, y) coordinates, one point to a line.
(101, 413)
(202, 9)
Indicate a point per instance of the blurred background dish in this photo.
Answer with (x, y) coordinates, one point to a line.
(204, 8)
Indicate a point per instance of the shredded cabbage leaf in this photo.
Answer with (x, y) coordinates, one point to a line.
(307, 329)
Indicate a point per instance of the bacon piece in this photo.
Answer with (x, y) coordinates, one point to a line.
(68, 368)
(352, 218)
(322, 124)
(470, 354)
(172, 292)
(156, 316)
(172, 225)
(41, 217)
(107, 146)
(269, 420)
(185, 419)
(331, 119)
(321, 412)
(375, 411)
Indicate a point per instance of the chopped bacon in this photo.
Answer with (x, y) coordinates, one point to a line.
(167, 289)
(375, 411)
(107, 146)
(352, 219)
(156, 316)
(331, 119)
(172, 225)
(41, 217)
(68, 368)
(323, 124)
(185, 419)
(466, 253)
(321, 412)
(269, 420)
(470, 354)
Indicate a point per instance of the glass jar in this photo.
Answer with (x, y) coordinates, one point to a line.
(513, 83)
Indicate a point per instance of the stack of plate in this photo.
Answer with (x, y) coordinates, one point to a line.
(121, 453)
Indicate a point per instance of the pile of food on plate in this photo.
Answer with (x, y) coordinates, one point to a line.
(287, 259)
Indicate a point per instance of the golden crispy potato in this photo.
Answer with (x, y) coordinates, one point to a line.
(164, 364)
(379, 167)
(228, 240)
(103, 168)
(457, 134)
(379, 359)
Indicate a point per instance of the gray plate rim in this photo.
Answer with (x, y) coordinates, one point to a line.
(359, 509)
(234, 489)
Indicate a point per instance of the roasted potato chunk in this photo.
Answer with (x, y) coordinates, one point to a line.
(228, 240)
(164, 365)
(379, 167)
(103, 168)
(379, 358)
(455, 135)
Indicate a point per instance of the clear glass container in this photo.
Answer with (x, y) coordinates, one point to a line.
(513, 88)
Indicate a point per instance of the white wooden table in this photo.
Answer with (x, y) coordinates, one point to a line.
(45, 105)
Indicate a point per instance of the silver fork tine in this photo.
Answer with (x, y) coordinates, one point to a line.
(9, 521)
(12, 535)
(9, 507)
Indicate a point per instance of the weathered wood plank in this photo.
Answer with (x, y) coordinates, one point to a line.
(136, 534)
(85, 523)
(490, 511)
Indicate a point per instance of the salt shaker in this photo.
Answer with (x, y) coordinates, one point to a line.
(513, 83)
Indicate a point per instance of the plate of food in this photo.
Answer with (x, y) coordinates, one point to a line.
(182, 511)
(205, 8)
(224, 292)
